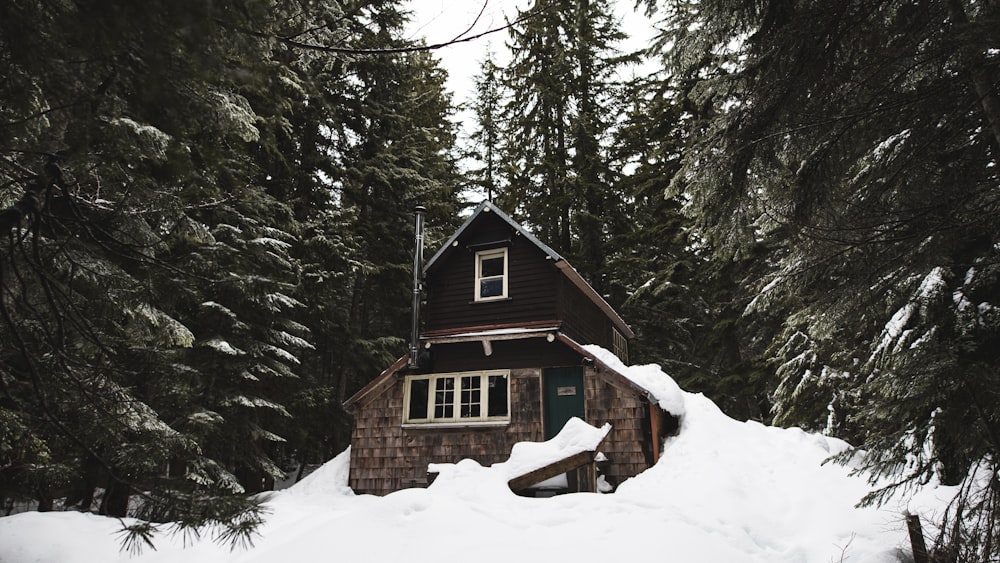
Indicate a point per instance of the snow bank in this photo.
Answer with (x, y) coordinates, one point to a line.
(329, 480)
(766, 490)
(723, 491)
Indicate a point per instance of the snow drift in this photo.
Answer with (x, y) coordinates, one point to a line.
(723, 490)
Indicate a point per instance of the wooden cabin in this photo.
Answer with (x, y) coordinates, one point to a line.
(499, 360)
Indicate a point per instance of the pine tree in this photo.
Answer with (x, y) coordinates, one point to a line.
(484, 144)
(169, 200)
(559, 121)
(870, 166)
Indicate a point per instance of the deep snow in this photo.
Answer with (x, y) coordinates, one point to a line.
(723, 491)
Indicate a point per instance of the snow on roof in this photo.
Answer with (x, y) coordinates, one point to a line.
(649, 377)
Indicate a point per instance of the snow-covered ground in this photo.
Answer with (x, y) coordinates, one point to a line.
(724, 491)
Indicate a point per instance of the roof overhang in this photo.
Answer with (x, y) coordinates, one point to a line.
(489, 336)
(377, 382)
(486, 336)
(609, 371)
(575, 277)
(488, 207)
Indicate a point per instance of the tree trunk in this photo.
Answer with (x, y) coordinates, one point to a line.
(981, 80)
(352, 324)
(29, 204)
(115, 501)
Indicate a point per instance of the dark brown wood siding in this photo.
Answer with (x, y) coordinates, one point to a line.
(450, 284)
(507, 354)
(583, 321)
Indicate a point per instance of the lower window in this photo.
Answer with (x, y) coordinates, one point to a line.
(481, 396)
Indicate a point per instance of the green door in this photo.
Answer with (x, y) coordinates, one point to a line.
(562, 397)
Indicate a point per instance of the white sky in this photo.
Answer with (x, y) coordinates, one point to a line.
(442, 20)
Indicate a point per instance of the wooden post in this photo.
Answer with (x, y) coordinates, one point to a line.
(588, 478)
(654, 429)
(917, 539)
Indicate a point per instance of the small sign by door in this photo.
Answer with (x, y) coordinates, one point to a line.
(565, 391)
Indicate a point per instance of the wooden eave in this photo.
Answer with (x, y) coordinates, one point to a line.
(488, 337)
(377, 382)
(484, 334)
(570, 272)
(603, 368)
(529, 325)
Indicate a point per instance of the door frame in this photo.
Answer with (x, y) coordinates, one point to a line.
(557, 382)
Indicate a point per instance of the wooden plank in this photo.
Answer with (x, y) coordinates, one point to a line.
(528, 324)
(916, 539)
(654, 421)
(549, 471)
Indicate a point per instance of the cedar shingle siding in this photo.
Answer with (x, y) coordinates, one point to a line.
(386, 457)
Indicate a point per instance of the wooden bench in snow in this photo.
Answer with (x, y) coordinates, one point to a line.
(574, 448)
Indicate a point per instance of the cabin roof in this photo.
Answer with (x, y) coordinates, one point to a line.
(561, 263)
(488, 207)
(602, 368)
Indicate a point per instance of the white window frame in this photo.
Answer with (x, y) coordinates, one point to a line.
(619, 345)
(482, 256)
(457, 418)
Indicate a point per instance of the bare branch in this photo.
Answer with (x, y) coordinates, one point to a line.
(410, 48)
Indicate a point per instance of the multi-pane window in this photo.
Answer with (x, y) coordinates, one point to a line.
(620, 346)
(457, 397)
(491, 274)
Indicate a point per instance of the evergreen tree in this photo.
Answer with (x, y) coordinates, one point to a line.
(171, 199)
(111, 150)
(684, 307)
(860, 139)
(559, 121)
(402, 159)
(484, 150)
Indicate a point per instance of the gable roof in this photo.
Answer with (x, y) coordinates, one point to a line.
(488, 207)
(568, 270)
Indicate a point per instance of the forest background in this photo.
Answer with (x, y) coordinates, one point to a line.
(206, 226)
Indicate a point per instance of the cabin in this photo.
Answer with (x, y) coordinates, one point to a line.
(497, 357)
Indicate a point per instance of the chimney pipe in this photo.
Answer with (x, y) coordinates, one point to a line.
(418, 275)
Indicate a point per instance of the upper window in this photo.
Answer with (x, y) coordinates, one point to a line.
(457, 397)
(491, 274)
(620, 345)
